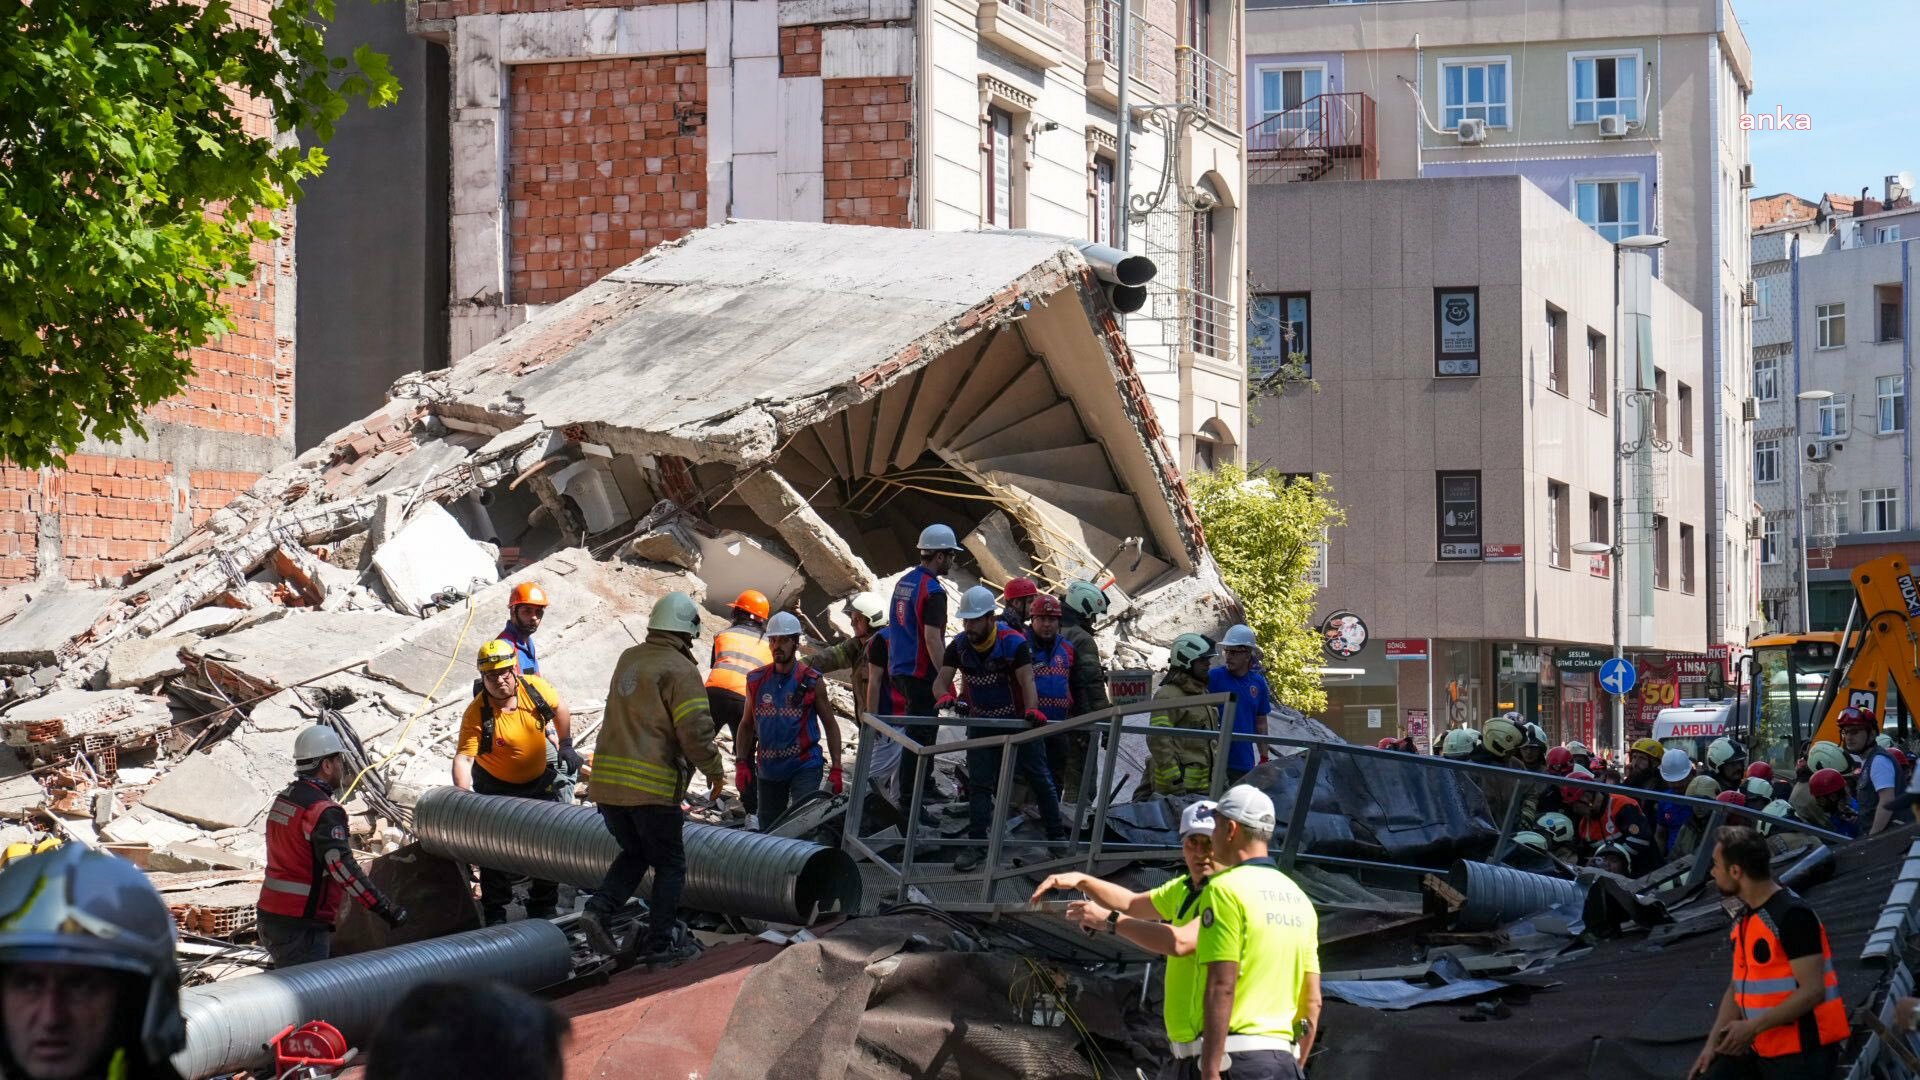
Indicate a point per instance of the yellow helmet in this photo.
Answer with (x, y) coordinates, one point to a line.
(496, 654)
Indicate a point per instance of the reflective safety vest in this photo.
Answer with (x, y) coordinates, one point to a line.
(1760, 984)
(786, 720)
(297, 884)
(1052, 675)
(737, 652)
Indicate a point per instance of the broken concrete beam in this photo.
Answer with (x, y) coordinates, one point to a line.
(1200, 604)
(298, 568)
(993, 547)
(68, 714)
(671, 543)
(182, 858)
(143, 660)
(52, 618)
(432, 556)
(822, 551)
(206, 793)
(142, 824)
(291, 650)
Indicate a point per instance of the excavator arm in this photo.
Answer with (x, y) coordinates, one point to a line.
(1880, 646)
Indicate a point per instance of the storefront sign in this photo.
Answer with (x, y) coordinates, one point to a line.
(1456, 334)
(1597, 565)
(1694, 667)
(1406, 648)
(1579, 659)
(1505, 553)
(1343, 635)
(1459, 510)
(1129, 685)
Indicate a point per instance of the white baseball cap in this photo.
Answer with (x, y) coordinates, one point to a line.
(1197, 819)
(1247, 805)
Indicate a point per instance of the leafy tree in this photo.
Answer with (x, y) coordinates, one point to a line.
(1263, 530)
(134, 188)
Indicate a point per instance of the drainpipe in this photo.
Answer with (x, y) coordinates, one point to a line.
(1123, 123)
(1419, 156)
(1799, 461)
(923, 114)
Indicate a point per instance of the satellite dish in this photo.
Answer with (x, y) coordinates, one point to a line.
(1905, 180)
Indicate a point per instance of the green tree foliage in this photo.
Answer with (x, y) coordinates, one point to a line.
(1262, 530)
(133, 191)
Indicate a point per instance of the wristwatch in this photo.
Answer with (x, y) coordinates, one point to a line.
(1113, 922)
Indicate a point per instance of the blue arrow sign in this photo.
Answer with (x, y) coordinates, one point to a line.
(1617, 676)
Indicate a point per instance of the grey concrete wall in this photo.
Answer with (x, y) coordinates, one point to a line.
(372, 241)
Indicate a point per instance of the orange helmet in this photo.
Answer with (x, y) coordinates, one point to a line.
(527, 593)
(754, 602)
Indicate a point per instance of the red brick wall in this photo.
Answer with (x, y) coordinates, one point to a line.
(868, 159)
(215, 488)
(114, 513)
(22, 498)
(607, 159)
(799, 50)
(434, 10)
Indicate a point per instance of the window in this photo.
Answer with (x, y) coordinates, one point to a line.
(1834, 421)
(1887, 234)
(1879, 510)
(1285, 88)
(1599, 524)
(1774, 610)
(1474, 90)
(1686, 559)
(1766, 461)
(1557, 350)
(1101, 205)
(1457, 515)
(1891, 397)
(1766, 378)
(1886, 300)
(999, 171)
(1762, 297)
(1597, 380)
(1606, 85)
(1612, 207)
(1772, 541)
(1661, 567)
(1830, 321)
(1277, 328)
(1559, 526)
(1686, 419)
(1659, 405)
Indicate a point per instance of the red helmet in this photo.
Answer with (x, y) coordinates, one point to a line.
(1850, 719)
(1571, 795)
(1760, 769)
(1387, 743)
(1044, 605)
(1019, 587)
(1559, 761)
(1826, 782)
(1734, 797)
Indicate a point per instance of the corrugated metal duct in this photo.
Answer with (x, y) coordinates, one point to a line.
(1497, 895)
(229, 1022)
(729, 871)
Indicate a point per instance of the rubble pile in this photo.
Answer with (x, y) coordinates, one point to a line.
(764, 405)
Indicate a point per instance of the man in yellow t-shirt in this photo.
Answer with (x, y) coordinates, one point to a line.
(1164, 920)
(1259, 944)
(503, 751)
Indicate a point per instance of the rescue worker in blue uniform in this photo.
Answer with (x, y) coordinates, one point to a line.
(1054, 658)
(526, 606)
(787, 710)
(916, 632)
(1252, 698)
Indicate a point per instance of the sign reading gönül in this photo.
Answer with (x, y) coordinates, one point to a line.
(1456, 332)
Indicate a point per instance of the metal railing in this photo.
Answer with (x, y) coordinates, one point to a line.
(1315, 134)
(1210, 86)
(1109, 724)
(1210, 325)
(1040, 11)
(1150, 57)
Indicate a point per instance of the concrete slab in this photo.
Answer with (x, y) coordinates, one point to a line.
(207, 621)
(48, 621)
(139, 661)
(185, 858)
(205, 792)
(432, 554)
(69, 714)
(300, 647)
(142, 824)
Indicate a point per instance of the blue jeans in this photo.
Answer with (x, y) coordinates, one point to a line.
(777, 795)
(983, 783)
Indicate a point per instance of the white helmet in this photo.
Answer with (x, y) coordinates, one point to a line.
(1531, 840)
(977, 602)
(938, 538)
(871, 607)
(1459, 743)
(315, 745)
(783, 624)
(1239, 635)
(675, 612)
(1555, 826)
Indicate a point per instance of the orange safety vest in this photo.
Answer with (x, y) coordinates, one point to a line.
(737, 651)
(1595, 831)
(1760, 985)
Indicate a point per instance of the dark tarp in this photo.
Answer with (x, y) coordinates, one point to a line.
(1627, 1011)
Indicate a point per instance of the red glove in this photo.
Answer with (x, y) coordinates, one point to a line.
(946, 701)
(1036, 718)
(837, 779)
(742, 776)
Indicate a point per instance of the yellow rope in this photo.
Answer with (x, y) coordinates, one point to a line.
(401, 743)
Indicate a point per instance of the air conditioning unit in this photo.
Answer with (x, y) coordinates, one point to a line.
(1613, 127)
(1472, 132)
(1749, 410)
(1756, 528)
(1749, 296)
(1746, 177)
(1820, 450)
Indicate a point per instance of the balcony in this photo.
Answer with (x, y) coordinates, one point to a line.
(1023, 28)
(1210, 86)
(1210, 323)
(1314, 139)
(1151, 56)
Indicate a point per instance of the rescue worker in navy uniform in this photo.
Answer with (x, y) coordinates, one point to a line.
(787, 709)
(916, 630)
(1016, 599)
(1876, 777)
(526, 606)
(1054, 658)
(89, 986)
(1782, 1016)
(310, 864)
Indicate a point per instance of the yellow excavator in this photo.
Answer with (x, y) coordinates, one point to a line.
(1797, 685)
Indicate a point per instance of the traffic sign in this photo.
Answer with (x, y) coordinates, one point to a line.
(1617, 676)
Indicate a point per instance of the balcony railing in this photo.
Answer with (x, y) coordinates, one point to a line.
(1150, 50)
(1210, 325)
(1309, 140)
(1040, 11)
(1210, 86)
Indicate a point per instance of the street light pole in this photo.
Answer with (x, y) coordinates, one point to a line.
(1616, 569)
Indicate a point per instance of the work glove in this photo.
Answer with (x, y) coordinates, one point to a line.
(571, 757)
(395, 915)
(950, 701)
(742, 775)
(837, 779)
(1036, 718)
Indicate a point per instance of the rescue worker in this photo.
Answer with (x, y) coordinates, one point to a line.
(503, 751)
(1822, 802)
(1726, 761)
(1252, 699)
(1600, 816)
(1643, 764)
(89, 984)
(1559, 761)
(868, 613)
(1016, 600)
(1757, 792)
(1582, 756)
(995, 665)
(1163, 920)
(1781, 789)
(1782, 1016)
(1533, 749)
(526, 606)
(1460, 744)
(916, 629)
(1259, 945)
(1676, 772)
(1183, 765)
(737, 650)
(1613, 857)
(1693, 830)
(1053, 663)
(310, 864)
(658, 730)
(1558, 829)
(1876, 776)
(1500, 743)
(1084, 602)
(787, 710)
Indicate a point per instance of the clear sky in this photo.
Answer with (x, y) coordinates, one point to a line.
(1850, 66)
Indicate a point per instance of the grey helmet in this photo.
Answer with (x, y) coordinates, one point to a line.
(1085, 599)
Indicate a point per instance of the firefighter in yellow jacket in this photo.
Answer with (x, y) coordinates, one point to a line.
(658, 730)
(1183, 765)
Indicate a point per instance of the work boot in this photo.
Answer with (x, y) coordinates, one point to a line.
(679, 946)
(969, 860)
(597, 936)
(495, 918)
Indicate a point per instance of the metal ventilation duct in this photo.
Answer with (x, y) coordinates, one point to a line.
(729, 871)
